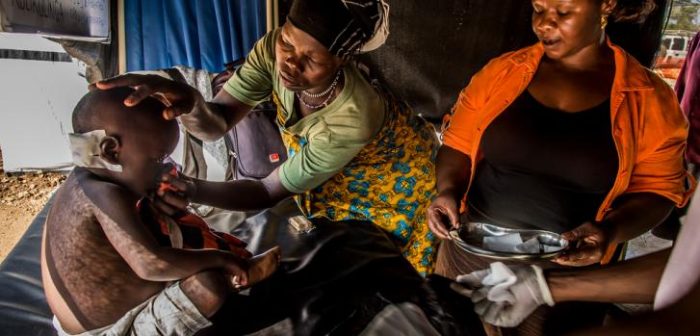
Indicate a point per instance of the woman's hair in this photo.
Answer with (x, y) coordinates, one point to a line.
(633, 11)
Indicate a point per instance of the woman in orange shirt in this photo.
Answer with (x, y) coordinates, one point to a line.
(570, 135)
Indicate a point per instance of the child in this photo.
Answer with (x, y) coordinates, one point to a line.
(109, 267)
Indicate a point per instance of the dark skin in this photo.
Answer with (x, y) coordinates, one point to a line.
(678, 319)
(633, 281)
(575, 74)
(302, 64)
(105, 258)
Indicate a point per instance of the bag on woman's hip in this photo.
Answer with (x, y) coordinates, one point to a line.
(255, 145)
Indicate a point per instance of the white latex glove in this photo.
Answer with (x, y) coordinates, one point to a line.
(504, 296)
(492, 282)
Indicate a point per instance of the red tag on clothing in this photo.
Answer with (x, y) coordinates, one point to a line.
(274, 157)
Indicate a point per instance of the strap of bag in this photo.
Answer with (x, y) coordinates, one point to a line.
(232, 171)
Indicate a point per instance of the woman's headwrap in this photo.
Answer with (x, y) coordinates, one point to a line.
(345, 27)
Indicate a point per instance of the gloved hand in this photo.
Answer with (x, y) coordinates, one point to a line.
(504, 296)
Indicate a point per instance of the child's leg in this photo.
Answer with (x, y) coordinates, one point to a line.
(207, 290)
(182, 308)
(263, 265)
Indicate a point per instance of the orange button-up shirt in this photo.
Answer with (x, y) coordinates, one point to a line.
(649, 129)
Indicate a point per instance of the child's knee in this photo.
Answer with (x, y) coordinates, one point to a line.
(212, 281)
(207, 290)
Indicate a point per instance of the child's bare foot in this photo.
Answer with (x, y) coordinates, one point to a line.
(263, 265)
(260, 267)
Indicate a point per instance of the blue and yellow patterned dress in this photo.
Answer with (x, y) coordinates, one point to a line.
(391, 182)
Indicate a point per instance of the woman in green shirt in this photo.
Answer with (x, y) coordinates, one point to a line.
(355, 152)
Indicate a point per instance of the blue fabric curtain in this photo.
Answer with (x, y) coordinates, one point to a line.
(203, 34)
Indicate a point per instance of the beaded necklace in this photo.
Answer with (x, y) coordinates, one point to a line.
(328, 92)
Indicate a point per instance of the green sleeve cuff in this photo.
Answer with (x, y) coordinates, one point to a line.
(285, 180)
(240, 95)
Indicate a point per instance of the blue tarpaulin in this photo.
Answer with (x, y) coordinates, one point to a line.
(203, 34)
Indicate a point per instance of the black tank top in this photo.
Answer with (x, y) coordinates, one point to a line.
(543, 168)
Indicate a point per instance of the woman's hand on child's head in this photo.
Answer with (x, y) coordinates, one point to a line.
(442, 214)
(587, 245)
(179, 98)
(175, 196)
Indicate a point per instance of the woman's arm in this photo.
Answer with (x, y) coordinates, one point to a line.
(460, 130)
(681, 318)
(210, 121)
(632, 215)
(452, 169)
(239, 195)
(632, 281)
(242, 195)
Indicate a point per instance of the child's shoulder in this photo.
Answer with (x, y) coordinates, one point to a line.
(102, 193)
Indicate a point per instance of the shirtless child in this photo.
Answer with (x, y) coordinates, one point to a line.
(104, 269)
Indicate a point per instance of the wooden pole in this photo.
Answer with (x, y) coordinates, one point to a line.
(121, 36)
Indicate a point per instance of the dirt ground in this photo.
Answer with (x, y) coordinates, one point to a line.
(22, 196)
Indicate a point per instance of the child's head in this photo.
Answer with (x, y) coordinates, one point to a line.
(137, 138)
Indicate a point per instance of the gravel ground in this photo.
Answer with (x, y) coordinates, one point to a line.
(22, 196)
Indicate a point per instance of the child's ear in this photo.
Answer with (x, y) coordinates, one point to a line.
(110, 149)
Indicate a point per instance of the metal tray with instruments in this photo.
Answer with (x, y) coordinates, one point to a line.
(483, 239)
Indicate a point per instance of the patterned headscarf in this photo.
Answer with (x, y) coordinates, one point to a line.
(345, 27)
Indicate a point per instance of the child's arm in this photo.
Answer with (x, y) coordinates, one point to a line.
(117, 214)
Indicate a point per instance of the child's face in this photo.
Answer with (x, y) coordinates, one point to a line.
(142, 139)
(143, 154)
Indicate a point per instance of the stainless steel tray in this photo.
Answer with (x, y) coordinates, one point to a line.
(470, 237)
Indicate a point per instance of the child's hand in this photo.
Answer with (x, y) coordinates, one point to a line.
(237, 271)
(260, 267)
(174, 193)
(236, 283)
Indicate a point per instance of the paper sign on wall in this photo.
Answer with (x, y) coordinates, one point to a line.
(73, 19)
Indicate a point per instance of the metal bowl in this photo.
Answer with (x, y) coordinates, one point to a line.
(470, 238)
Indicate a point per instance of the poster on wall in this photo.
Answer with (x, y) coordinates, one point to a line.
(86, 20)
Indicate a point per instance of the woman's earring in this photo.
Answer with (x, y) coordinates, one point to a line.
(603, 22)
